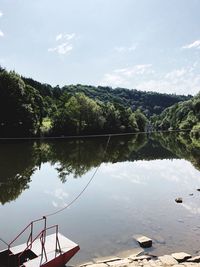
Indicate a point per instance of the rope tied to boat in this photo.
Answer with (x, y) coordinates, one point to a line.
(86, 186)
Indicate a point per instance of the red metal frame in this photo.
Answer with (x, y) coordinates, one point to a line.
(31, 233)
(41, 236)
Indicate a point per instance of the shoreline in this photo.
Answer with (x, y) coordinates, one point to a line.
(139, 259)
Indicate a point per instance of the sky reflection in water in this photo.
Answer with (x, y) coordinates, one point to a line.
(124, 199)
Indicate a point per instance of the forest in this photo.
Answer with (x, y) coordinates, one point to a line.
(30, 108)
(184, 116)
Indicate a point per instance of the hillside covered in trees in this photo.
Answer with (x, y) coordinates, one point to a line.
(30, 108)
(149, 103)
(183, 116)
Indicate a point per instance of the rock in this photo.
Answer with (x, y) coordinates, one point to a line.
(179, 200)
(99, 265)
(152, 263)
(181, 256)
(190, 264)
(106, 259)
(194, 259)
(191, 194)
(145, 242)
(168, 260)
(131, 252)
(198, 189)
(119, 263)
(133, 264)
(139, 258)
(86, 263)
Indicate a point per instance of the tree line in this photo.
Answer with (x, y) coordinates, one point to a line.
(24, 111)
(183, 116)
(31, 108)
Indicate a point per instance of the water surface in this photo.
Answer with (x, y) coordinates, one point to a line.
(133, 191)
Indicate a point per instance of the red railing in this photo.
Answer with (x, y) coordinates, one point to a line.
(30, 238)
(42, 237)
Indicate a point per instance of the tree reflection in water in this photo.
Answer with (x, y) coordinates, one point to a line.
(19, 160)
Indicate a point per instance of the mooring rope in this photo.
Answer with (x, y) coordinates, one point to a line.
(86, 186)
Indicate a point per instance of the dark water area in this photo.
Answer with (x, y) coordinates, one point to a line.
(133, 191)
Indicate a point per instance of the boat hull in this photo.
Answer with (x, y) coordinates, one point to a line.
(62, 259)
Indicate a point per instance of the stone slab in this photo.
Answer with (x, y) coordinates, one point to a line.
(106, 259)
(181, 256)
(194, 259)
(140, 258)
(144, 241)
(98, 265)
(119, 263)
(86, 263)
(167, 260)
(131, 252)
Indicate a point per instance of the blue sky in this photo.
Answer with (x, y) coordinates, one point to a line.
(143, 44)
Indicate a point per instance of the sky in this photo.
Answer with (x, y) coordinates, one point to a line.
(151, 45)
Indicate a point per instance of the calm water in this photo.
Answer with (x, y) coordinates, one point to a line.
(132, 193)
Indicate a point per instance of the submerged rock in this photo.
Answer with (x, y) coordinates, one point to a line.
(144, 241)
(179, 200)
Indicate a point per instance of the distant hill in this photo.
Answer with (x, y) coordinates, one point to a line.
(31, 108)
(150, 103)
(184, 115)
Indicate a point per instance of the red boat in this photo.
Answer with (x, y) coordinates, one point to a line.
(53, 250)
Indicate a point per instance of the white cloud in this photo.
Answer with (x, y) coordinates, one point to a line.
(185, 80)
(65, 37)
(1, 34)
(195, 44)
(1, 13)
(59, 37)
(122, 77)
(66, 46)
(135, 70)
(181, 81)
(62, 49)
(192, 208)
(145, 172)
(176, 73)
(114, 80)
(60, 197)
(125, 49)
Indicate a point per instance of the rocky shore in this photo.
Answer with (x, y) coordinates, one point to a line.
(180, 259)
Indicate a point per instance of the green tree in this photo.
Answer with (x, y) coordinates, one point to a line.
(78, 115)
(21, 106)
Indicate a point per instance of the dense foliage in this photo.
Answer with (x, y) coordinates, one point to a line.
(184, 116)
(79, 114)
(29, 108)
(149, 103)
(21, 106)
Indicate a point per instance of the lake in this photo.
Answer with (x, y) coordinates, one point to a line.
(133, 192)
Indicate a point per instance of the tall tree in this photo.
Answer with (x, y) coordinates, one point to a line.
(21, 106)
